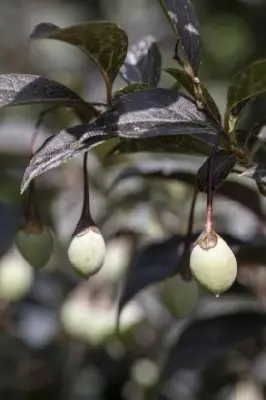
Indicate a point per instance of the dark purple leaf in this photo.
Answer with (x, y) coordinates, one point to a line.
(152, 264)
(143, 63)
(183, 19)
(204, 340)
(22, 89)
(58, 149)
(139, 115)
(223, 163)
(187, 83)
(182, 144)
(104, 42)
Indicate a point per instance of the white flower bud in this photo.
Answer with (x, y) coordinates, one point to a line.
(16, 277)
(215, 268)
(36, 247)
(179, 297)
(86, 252)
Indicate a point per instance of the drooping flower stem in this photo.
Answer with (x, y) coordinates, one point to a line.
(209, 222)
(182, 267)
(85, 219)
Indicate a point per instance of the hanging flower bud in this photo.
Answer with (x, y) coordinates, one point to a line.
(16, 277)
(212, 263)
(86, 251)
(34, 240)
(180, 297)
(35, 244)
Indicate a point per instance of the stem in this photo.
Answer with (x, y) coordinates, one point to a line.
(86, 198)
(85, 219)
(184, 263)
(108, 91)
(191, 217)
(209, 223)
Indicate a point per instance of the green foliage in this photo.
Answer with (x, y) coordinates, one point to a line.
(104, 42)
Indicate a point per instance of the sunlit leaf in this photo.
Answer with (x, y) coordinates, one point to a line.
(154, 113)
(143, 62)
(58, 149)
(22, 89)
(183, 19)
(104, 42)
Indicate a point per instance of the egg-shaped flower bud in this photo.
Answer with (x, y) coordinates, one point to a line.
(86, 251)
(16, 277)
(213, 264)
(35, 243)
(180, 297)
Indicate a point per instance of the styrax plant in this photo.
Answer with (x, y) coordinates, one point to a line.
(144, 117)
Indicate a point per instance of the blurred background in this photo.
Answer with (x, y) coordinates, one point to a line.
(59, 338)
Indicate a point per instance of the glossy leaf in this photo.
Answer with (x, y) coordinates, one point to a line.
(155, 112)
(187, 83)
(58, 149)
(143, 63)
(139, 115)
(183, 19)
(132, 87)
(104, 42)
(223, 163)
(215, 335)
(249, 82)
(22, 89)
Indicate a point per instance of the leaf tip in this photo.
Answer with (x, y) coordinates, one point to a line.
(43, 29)
(25, 182)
